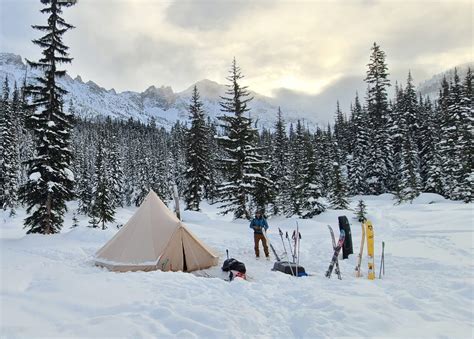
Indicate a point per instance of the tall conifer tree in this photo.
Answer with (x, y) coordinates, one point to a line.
(197, 154)
(243, 163)
(380, 157)
(50, 180)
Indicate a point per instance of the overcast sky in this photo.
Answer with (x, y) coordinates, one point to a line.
(283, 47)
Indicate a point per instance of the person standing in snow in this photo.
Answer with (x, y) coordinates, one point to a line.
(259, 225)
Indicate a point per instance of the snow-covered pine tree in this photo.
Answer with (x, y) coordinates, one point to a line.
(115, 169)
(430, 151)
(243, 163)
(143, 174)
(338, 187)
(379, 156)
(264, 192)
(465, 143)
(197, 154)
(8, 148)
(12, 153)
(50, 180)
(408, 185)
(358, 160)
(341, 133)
(296, 176)
(214, 175)
(103, 206)
(361, 211)
(177, 150)
(279, 164)
(85, 189)
(311, 187)
(4, 123)
(451, 143)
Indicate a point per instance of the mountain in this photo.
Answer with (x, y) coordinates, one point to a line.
(162, 103)
(431, 87)
(166, 106)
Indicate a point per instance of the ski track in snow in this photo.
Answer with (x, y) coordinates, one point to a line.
(50, 287)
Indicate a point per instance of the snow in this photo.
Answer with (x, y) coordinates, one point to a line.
(35, 176)
(50, 287)
(68, 173)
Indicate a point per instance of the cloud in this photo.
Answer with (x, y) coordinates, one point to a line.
(211, 14)
(322, 106)
(306, 46)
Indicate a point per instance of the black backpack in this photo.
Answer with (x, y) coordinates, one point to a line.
(233, 265)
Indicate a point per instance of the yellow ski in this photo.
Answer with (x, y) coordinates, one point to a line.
(369, 231)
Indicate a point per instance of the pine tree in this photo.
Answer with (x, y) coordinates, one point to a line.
(358, 160)
(311, 187)
(116, 171)
(197, 154)
(361, 211)
(431, 152)
(452, 144)
(214, 176)
(408, 186)
(338, 189)
(50, 181)
(8, 148)
(103, 208)
(341, 133)
(279, 164)
(465, 144)
(243, 164)
(296, 175)
(380, 157)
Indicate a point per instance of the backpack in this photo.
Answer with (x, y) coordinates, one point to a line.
(233, 265)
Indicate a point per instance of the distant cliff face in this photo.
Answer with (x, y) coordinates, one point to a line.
(162, 103)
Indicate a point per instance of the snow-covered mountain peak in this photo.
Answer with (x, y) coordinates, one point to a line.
(11, 59)
(94, 87)
(163, 96)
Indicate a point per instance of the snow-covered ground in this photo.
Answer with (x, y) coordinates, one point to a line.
(50, 287)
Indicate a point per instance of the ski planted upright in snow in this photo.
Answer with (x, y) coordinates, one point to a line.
(339, 245)
(369, 231)
(333, 238)
(361, 252)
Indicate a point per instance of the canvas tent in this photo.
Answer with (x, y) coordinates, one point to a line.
(154, 238)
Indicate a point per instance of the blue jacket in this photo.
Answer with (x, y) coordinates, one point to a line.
(257, 224)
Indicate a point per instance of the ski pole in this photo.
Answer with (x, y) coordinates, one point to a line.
(282, 241)
(382, 261)
(294, 245)
(298, 237)
(289, 244)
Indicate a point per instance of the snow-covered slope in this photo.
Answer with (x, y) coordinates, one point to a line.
(50, 287)
(431, 86)
(91, 100)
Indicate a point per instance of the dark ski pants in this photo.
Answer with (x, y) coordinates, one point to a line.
(256, 238)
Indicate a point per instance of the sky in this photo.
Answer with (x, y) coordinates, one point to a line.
(307, 51)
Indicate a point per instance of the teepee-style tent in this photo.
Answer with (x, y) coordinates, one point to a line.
(154, 238)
